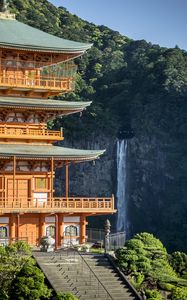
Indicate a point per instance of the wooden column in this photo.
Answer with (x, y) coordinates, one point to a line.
(14, 178)
(52, 181)
(56, 232)
(67, 179)
(42, 227)
(18, 223)
(12, 228)
(61, 229)
(83, 229)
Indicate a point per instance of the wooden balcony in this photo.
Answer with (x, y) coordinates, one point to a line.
(29, 131)
(66, 205)
(37, 84)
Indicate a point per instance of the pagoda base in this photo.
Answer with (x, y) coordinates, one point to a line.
(30, 228)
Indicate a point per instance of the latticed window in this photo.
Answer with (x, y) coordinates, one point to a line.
(41, 183)
(50, 231)
(3, 232)
(71, 231)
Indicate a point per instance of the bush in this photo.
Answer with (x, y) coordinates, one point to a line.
(137, 281)
(178, 261)
(179, 294)
(29, 284)
(153, 295)
(166, 286)
(148, 264)
(64, 296)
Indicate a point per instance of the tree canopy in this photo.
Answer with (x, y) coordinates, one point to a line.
(151, 269)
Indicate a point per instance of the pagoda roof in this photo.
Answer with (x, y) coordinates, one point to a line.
(48, 151)
(14, 34)
(44, 104)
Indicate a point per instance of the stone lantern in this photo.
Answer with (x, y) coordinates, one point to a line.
(107, 235)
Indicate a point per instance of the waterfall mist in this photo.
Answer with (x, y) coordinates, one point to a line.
(121, 185)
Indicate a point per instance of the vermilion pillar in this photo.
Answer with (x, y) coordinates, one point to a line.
(83, 229)
(56, 232)
(14, 178)
(52, 173)
(12, 226)
(18, 223)
(42, 227)
(61, 229)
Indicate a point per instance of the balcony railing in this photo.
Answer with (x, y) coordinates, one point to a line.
(89, 205)
(64, 84)
(29, 131)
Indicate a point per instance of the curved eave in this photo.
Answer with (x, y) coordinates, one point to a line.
(47, 104)
(45, 152)
(17, 35)
(30, 48)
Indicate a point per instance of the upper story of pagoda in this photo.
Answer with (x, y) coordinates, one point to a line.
(35, 64)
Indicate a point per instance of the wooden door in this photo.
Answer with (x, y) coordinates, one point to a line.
(29, 229)
(21, 193)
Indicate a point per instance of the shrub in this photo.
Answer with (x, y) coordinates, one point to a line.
(64, 296)
(166, 286)
(153, 295)
(179, 294)
(178, 261)
(148, 264)
(29, 284)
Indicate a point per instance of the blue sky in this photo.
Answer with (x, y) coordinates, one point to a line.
(161, 22)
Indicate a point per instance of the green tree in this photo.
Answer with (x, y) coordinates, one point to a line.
(145, 260)
(29, 284)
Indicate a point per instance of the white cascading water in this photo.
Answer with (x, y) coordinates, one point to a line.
(121, 185)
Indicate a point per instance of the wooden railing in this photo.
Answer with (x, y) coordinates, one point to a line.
(24, 131)
(105, 205)
(41, 83)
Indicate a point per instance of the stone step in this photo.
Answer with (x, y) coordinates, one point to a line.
(66, 271)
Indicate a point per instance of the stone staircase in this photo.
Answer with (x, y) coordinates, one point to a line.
(87, 276)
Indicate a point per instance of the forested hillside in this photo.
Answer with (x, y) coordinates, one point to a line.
(139, 92)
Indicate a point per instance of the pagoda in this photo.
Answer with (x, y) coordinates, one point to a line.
(35, 66)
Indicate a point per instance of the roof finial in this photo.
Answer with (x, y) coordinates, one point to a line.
(3, 6)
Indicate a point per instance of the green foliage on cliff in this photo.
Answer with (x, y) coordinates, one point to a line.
(138, 90)
(151, 269)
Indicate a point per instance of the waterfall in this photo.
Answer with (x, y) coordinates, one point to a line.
(121, 185)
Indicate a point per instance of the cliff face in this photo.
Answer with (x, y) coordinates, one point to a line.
(147, 183)
(156, 191)
(91, 179)
(152, 186)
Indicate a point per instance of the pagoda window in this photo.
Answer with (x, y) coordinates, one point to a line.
(3, 232)
(71, 230)
(40, 183)
(50, 231)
